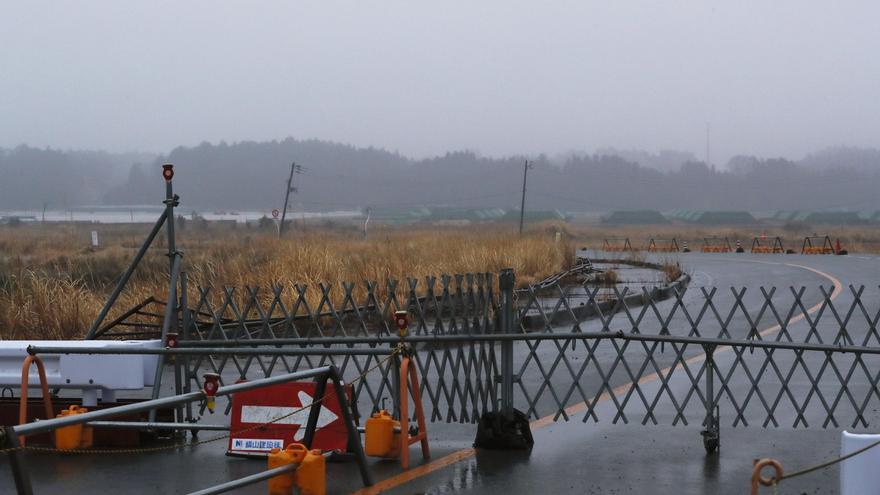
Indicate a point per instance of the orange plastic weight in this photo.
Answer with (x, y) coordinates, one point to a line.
(68, 437)
(311, 477)
(380, 439)
(292, 454)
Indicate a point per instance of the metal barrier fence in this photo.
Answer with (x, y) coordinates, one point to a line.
(448, 305)
(793, 357)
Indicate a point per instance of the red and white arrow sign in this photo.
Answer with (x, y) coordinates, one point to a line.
(288, 415)
(284, 410)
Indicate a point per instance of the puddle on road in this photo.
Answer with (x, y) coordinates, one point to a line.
(484, 470)
(465, 476)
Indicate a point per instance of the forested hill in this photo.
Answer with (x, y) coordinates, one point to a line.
(335, 176)
(31, 178)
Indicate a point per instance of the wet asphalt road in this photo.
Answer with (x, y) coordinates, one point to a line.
(569, 457)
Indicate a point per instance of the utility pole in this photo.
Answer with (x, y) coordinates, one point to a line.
(707, 145)
(367, 220)
(294, 169)
(522, 206)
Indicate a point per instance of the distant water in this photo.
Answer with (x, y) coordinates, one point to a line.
(147, 214)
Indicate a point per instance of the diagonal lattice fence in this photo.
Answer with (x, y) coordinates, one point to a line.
(793, 356)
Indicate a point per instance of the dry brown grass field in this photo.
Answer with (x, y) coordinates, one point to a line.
(52, 285)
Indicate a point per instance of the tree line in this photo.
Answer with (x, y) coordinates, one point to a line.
(253, 175)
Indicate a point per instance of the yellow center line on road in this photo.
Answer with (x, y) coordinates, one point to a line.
(463, 454)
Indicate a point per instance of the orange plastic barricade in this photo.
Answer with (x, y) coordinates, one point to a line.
(422, 436)
(390, 438)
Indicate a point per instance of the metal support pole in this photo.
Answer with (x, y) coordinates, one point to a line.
(141, 425)
(506, 281)
(92, 333)
(710, 387)
(207, 351)
(170, 311)
(187, 376)
(395, 388)
(247, 480)
(317, 404)
(271, 345)
(354, 438)
(178, 385)
(19, 472)
(170, 203)
(711, 434)
(507, 429)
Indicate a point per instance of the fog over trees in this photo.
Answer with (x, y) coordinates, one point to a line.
(337, 176)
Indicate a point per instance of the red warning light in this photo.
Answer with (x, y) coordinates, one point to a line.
(168, 171)
(210, 387)
(401, 319)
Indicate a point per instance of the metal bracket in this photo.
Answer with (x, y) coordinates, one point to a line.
(174, 201)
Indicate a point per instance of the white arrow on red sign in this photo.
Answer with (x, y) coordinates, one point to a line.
(289, 415)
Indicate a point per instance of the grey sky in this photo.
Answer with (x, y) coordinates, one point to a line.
(500, 77)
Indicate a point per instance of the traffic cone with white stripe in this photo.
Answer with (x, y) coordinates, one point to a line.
(685, 249)
(739, 247)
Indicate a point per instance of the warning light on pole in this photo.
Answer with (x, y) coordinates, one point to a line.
(212, 384)
(401, 319)
(168, 172)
